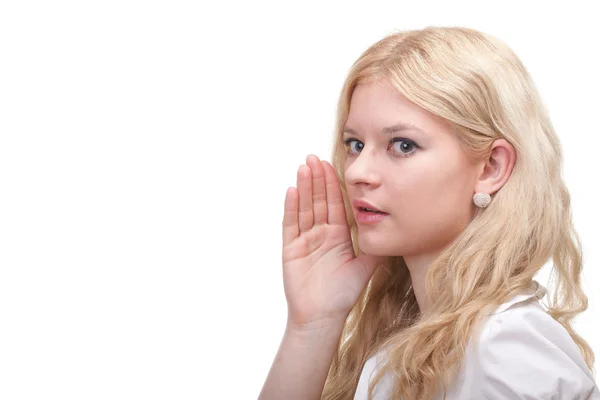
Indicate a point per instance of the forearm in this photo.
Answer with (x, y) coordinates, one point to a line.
(302, 362)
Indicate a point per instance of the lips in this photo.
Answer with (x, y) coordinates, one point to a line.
(361, 205)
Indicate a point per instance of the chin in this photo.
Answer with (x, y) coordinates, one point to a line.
(374, 246)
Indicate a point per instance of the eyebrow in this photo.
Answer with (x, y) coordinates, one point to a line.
(389, 130)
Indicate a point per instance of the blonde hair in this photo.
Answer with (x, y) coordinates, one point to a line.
(480, 86)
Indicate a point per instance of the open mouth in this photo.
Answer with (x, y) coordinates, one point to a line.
(364, 209)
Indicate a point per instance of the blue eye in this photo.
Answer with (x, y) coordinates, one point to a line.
(405, 147)
(348, 143)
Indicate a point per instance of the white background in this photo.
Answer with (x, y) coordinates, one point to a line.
(145, 152)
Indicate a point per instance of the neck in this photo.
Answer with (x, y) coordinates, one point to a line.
(417, 267)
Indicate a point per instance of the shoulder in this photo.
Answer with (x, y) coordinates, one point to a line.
(523, 353)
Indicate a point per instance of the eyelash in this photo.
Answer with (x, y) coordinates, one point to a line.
(390, 143)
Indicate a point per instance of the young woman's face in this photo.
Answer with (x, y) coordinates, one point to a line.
(405, 161)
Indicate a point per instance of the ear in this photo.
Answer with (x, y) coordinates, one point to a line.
(496, 169)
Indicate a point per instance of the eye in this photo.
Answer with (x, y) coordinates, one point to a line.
(348, 143)
(404, 147)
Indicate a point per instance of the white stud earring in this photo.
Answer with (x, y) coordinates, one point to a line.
(482, 200)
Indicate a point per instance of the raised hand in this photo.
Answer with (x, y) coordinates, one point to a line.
(322, 276)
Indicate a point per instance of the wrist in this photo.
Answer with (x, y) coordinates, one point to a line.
(316, 330)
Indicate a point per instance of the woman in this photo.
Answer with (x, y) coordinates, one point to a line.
(408, 264)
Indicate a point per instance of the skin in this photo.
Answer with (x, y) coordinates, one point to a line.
(424, 180)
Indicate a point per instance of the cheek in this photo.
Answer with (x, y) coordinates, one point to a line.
(450, 192)
(445, 174)
(433, 194)
(421, 182)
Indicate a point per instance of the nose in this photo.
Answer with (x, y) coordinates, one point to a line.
(362, 169)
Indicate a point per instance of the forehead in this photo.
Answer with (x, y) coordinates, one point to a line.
(377, 106)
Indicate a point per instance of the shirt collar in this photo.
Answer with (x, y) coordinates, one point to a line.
(536, 290)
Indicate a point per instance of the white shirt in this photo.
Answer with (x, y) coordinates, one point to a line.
(523, 353)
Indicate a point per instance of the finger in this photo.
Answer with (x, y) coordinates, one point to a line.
(305, 211)
(336, 213)
(290, 216)
(319, 196)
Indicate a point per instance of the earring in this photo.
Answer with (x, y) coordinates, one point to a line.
(482, 200)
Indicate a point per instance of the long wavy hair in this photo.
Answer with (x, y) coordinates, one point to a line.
(478, 84)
